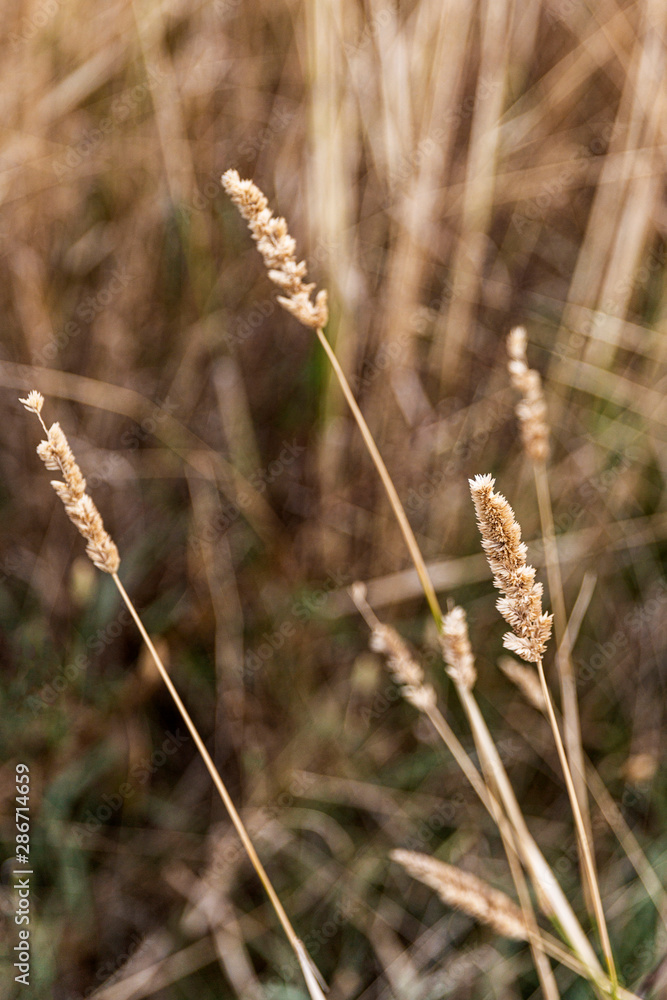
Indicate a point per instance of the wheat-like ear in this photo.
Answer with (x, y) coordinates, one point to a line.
(531, 410)
(253, 206)
(521, 607)
(56, 454)
(80, 507)
(456, 648)
(466, 892)
(277, 248)
(532, 414)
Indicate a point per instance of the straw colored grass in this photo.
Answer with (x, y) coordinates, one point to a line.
(466, 892)
(56, 453)
(449, 170)
(520, 605)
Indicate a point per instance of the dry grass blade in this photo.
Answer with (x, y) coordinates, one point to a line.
(522, 609)
(493, 790)
(288, 275)
(522, 594)
(532, 413)
(56, 454)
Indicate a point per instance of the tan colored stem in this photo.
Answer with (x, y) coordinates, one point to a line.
(305, 961)
(394, 500)
(566, 677)
(508, 837)
(545, 881)
(585, 843)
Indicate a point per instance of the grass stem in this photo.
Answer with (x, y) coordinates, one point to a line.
(311, 974)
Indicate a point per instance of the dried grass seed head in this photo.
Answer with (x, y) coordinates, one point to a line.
(456, 648)
(57, 456)
(521, 605)
(531, 410)
(278, 250)
(406, 671)
(34, 401)
(466, 892)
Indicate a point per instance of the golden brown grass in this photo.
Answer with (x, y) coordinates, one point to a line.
(56, 454)
(449, 172)
(520, 605)
(465, 891)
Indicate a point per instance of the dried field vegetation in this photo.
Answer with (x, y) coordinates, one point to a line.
(449, 170)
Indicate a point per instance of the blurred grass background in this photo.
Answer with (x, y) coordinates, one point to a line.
(448, 169)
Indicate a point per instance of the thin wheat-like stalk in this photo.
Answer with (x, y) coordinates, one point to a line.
(460, 665)
(254, 208)
(57, 455)
(521, 607)
(531, 411)
(252, 205)
(465, 891)
(409, 675)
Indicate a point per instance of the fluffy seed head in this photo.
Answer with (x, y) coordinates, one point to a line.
(278, 252)
(57, 456)
(466, 892)
(456, 649)
(521, 605)
(34, 401)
